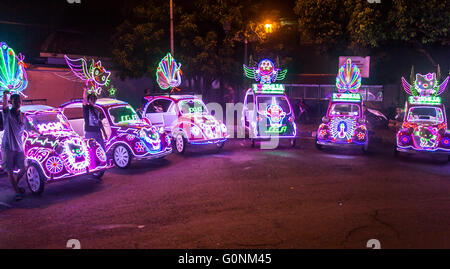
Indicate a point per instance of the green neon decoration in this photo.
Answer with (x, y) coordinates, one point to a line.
(425, 100)
(269, 88)
(348, 97)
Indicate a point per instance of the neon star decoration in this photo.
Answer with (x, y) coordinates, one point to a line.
(168, 73)
(13, 76)
(265, 73)
(425, 85)
(94, 75)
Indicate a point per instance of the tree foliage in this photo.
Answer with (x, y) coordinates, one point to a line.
(361, 26)
(209, 39)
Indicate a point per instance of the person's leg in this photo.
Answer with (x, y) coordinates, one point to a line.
(20, 163)
(8, 166)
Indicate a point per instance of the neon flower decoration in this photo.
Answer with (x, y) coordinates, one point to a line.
(168, 74)
(53, 151)
(265, 72)
(348, 78)
(13, 76)
(425, 85)
(94, 75)
(425, 125)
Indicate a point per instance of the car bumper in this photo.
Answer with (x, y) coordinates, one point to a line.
(208, 141)
(159, 155)
(421, 151)
(334, 144)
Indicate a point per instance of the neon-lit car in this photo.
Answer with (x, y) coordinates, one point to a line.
(128, 136)
(186, 117)
(268, 113)
(424, 126)
(344, 123)
(53, 151)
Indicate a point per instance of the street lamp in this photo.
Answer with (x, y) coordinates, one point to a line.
(268, 28)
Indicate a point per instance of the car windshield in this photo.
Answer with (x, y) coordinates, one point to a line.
(123, 114)
(426, 114)
(49, 122)
(344, 110)
(264, 101)
(192, 107)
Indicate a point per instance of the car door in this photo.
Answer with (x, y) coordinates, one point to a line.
(248, 110)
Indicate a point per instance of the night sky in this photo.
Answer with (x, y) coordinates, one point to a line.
(84, 28)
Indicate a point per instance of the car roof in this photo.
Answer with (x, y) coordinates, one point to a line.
(106, 102)
(175, 98)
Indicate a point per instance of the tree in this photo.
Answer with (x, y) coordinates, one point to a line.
(360, 26)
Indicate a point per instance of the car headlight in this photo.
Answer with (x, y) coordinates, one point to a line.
(161, 130)
(195, 130)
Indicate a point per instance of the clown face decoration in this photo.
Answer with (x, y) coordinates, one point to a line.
(276, 115)
(265, 72)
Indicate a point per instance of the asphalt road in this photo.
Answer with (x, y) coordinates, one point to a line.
(242, 198)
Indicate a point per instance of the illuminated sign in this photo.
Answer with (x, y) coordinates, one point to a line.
(277, 130)
(349, 97)
(197, 109)
(268, 88)
(427, 100)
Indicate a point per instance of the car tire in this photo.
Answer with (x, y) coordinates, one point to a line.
(98, 175)
(318, 146)
(293, 142)
(180, 143)
(35, 179)
(253, 143)
(365, 147)
(220, 145)
(121, 157)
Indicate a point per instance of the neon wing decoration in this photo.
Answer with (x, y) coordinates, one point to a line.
(348, 78)
(168, 74)
(281, 74)
(250, 72)
(13, 76)
(443, 86)
(79, 67)
(407, 86)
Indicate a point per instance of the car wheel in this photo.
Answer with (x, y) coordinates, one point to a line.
(121, 157)
(253, 143)
(180, 143)
(319, 146)
(293, 142)
(98, 175)
(365, 148)
(220, 145)
(35, 179)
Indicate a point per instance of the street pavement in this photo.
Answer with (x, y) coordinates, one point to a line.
(242, 197)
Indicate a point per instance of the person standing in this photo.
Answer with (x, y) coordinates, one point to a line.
(93, 127)
(12, 144)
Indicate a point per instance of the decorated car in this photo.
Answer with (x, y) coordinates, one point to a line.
(53, 151)
(424, 127)
(128, 137)
(345, 122)
(267, 111)
(187, 119)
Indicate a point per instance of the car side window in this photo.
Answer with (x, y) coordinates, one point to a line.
(159, 106)
(250, 99)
